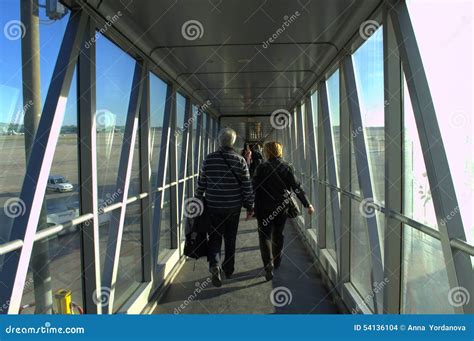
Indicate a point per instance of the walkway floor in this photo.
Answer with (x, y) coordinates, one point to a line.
(295, 289)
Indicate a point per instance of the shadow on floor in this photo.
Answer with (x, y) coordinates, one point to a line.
(295, 289)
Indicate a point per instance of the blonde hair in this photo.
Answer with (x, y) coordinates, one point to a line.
(272, 150)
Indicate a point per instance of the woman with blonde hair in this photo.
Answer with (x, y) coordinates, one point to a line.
(273, 182)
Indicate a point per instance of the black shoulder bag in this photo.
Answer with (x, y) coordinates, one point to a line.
(290, 201)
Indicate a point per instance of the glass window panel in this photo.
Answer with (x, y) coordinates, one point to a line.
(157, 110)
(368, 69)
(52, 256)
(165, 235)
(180, 129)
(334, 115)
(130, 269)
(417, 203)
(54, 264)
(361, 262)
(354, 178)
(330, 242)
(315, 109)
(425, 284)
(451, 87)
(113, 88)
(114, 82)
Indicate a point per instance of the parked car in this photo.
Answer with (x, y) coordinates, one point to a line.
(59, 183)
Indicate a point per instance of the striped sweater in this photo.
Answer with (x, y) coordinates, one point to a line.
(221, 188)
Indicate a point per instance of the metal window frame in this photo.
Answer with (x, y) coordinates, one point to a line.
(145, 179)
(363, 174)
(321, 172)
(458, 264)
(300, 142)
(173, 169)
(33, 189)
(332, 170)
(312, 162)
(198, 141)
(184, 164)
(89, 231)
(393, 167)
(116, 225)
(344, 181)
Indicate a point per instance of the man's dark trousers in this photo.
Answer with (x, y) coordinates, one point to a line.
(224, 224)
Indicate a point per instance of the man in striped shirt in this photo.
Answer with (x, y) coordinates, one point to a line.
(225, 182)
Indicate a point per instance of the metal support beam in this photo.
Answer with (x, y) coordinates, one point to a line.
(364, 176)
(322, 209)
(173, 168)
(312, 164)
(24, 227)
(393, 237)
(145, 178)
(198, 142)
(345, 182)
(185, 149)
(331, 167)
(458, 264)
(117, 219)
(90, 256)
